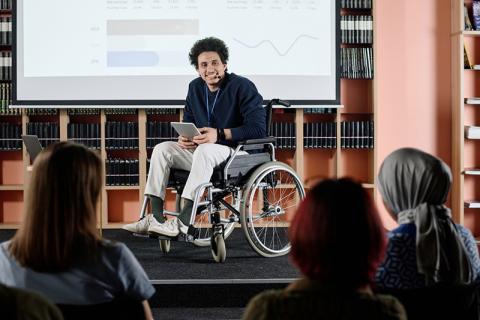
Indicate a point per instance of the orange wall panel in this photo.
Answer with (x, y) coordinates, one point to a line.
(11, 168)
(11, 206)
(413, 79)
(123, 205)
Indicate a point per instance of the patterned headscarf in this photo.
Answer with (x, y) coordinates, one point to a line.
(414, 186)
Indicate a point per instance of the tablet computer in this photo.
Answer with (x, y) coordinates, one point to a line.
(186, 129)
(32, 143)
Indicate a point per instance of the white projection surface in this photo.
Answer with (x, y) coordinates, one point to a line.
(136, 51)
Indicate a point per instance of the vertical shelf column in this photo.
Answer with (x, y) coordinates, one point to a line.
(142, 149)
(63, 124)
(338, 148)
(299, 144)
(103, 154)
(457, 67)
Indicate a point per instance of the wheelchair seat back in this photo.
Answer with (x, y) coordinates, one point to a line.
(237, 173)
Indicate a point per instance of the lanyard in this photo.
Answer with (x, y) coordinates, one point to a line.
(209, 112)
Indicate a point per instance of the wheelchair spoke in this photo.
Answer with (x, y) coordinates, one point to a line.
(271, 196)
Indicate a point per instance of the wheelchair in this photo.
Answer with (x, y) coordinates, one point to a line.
(253, 190)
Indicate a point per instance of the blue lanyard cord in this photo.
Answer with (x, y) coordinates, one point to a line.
(209, 112)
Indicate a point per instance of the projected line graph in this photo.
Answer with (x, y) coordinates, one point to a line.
(280, 53)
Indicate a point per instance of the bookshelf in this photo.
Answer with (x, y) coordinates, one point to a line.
(318, 143)
(465, 113)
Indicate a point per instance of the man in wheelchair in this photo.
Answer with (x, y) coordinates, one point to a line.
(227, 108)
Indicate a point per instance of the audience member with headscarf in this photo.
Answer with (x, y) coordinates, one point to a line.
(427, 247)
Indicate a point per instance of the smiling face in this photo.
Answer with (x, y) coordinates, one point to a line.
(211, 69)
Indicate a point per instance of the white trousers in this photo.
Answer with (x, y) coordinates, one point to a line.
(200, 162)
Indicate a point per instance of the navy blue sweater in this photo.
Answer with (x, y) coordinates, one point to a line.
(238, 107)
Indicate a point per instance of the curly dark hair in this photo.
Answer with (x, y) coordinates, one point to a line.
(208, 44)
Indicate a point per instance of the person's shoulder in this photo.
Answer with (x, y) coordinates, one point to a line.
(34, 305)
(198, 81)
(403, 230)
(464, 231)
(113, 248)
(268, 296)
(388, 305)
(4, 251)
(237, 79)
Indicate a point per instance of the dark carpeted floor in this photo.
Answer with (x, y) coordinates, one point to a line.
(185, 261)
(197, 313)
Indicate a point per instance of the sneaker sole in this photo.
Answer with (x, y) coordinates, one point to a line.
(167, 234)
(135, 231)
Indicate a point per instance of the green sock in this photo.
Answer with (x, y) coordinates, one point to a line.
(186, 211)
(157, 208)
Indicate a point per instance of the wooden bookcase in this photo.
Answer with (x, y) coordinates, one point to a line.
(120, 204)
(465, 151)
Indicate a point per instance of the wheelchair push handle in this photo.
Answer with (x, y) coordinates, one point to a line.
(277, 101)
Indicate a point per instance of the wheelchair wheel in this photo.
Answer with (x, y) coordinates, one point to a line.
(271, 196)
(219, 251)
(204, 227)
(164, 245)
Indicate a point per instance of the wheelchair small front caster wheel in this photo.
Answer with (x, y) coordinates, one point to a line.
(164, 245)
(219, 252)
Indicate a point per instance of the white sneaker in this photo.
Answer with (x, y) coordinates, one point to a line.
(170, 228)
(142, 225)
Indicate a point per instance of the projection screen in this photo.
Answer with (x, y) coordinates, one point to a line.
(135, 52)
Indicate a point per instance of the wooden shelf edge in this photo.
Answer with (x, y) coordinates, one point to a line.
(4, 226)
(472, 33)
(121, 188)
(12, 187)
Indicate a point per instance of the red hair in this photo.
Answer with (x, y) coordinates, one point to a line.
(336, 235)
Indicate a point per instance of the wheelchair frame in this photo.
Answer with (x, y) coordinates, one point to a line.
(210, 198)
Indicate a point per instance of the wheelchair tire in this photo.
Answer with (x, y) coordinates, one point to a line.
(164, 245)
(204, 227)
(270, 198)
(219, 251)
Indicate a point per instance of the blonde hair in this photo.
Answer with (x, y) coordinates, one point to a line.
(59, 223)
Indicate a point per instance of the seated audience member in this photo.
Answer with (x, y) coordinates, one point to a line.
(21, 304)
(57, 250)
(337, 240)
(427, 247)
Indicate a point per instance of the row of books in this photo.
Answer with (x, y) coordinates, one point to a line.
(356, 4)
(285, 134)
(83, 112)
(87, 134)
(121, 135)
(47, 132)
(472, 132)
(5, 66)
(356, 29)
(5, 100)
(320, 135)
(158, 132)
(161, 111)
(356, 63)
(6, 31)
(10, 136)
(356, 134)
(120, 111)
(6, 4)
(121, 172)
(320, 110)
(353, 134)
(41, 111)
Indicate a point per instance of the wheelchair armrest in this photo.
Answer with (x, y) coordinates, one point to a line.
(258, 141)
(257, 144)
